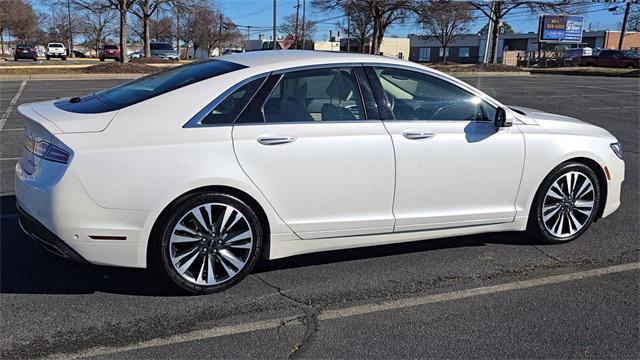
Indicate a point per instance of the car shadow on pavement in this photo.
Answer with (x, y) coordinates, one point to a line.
(27, 268)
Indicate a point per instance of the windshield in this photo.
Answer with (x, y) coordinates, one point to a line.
(161, 46)
(55, 45)
(25, 46)
(110, 47)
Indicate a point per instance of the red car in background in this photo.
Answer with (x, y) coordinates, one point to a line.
(612, 58)
(110, 52)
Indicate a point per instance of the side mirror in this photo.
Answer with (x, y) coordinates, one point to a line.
(501, 118)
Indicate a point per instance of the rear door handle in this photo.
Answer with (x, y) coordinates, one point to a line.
(275, 140)
(417, 135)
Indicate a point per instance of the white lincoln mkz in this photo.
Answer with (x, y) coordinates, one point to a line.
(203, 168)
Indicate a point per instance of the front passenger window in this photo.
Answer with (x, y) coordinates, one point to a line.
(315, 95)
(417, 96)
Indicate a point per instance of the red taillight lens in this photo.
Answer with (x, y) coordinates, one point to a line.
(45, 150)
(33, 49)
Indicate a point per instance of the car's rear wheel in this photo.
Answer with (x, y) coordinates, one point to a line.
(566, 204)
(209, 242)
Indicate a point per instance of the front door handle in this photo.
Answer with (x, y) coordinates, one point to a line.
(275, 140)
(417, 135)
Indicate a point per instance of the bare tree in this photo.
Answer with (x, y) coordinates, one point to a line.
(96, 24)
(144, 10)
(288, 26)
(383, 14)
(19, 20)
(359, 23)
(207, 27)
(444, 21)
(495, 11)
(122, 7)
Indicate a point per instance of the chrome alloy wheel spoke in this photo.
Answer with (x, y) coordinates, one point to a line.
(568, 204)
(211, 244)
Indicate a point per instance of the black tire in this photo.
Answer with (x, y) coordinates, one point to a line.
(101, 59)
(536, 226)
(162, 249)
(64, 58)
(48, 57)
(35, 59)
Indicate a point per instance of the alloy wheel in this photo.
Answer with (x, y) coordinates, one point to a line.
(568, 204)
(211, 244)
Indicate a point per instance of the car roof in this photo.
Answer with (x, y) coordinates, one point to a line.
(290, 58)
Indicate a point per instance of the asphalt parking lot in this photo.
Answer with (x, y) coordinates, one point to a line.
(484, 296)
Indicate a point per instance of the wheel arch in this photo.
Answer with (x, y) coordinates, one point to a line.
(600, 174)
(154, 235)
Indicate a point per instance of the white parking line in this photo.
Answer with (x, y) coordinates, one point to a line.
(7, 112)
(613, 107)
(351, 311)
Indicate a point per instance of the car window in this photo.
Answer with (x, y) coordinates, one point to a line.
(315, 95)
(112, 47)
(55, 45)
(149, 86)
(229, 108)
(417, 96)
(161, 46)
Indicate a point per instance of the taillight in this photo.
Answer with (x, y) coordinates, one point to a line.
(45, 150)
(33, 49)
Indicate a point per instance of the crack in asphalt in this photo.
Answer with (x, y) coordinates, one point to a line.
(552, 257)
(309, 319)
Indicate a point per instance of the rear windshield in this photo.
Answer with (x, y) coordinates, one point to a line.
(55, 45)
(111, 47)
(148, 87)
(161, 46)
(25, 46)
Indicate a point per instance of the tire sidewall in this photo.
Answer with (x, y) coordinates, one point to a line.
(162, 247)
(547, 183)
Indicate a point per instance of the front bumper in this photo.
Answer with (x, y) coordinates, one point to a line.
(46, 238)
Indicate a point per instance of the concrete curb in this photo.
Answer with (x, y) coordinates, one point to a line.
(630, 74)
(69, 77)
(489, 74)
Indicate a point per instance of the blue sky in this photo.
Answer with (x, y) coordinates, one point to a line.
(257, 13)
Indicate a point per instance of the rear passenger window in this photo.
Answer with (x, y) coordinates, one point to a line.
(227, 110)
(315, 95)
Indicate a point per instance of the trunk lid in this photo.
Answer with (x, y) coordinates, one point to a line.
(57, 120)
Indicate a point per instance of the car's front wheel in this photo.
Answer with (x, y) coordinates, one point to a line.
(566, 204)
(209, 242)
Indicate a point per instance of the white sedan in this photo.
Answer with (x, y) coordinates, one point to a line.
(204, 168)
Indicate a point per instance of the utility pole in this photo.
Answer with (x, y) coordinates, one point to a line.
(624, 24)
(304, 3)
(274, 25)
(248, 37)
(178, 32)
(295, 36)
(70, 31)
(485, 58)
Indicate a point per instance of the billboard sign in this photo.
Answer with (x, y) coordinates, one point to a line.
(561, 28)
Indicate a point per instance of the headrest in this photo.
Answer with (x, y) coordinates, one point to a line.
(295, 88)
(340, 86)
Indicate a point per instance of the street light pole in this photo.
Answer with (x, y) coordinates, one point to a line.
(304, 3)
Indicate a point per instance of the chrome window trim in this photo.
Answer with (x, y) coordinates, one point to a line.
(456, 82)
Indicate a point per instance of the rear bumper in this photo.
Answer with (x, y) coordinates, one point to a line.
(46, 238)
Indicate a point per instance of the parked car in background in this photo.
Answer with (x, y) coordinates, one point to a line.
(280, 153)
(56, 50)
(134, 55)
(78, 54)
(25, 51)
(612, 58)
(109, 52)
(162, 50)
